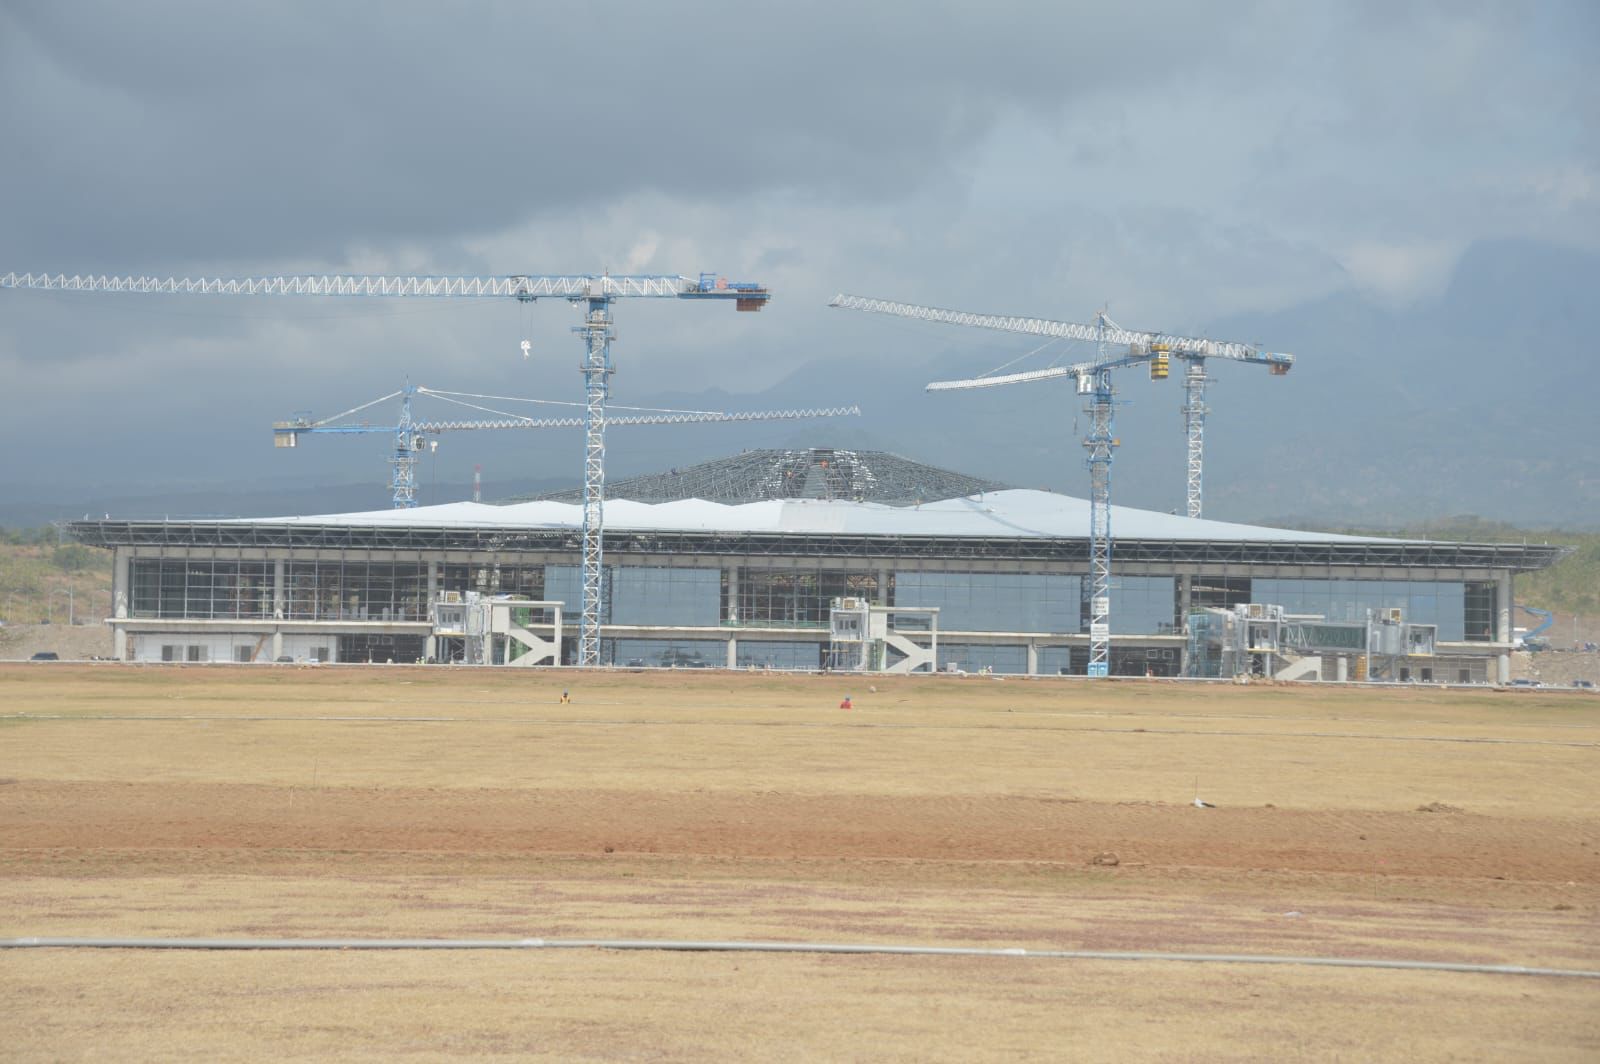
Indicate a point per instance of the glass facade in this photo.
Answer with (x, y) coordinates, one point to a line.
(523, 581)
(1125, 661)
(177, 587)
(1479, 613)
(666, 653)
(797, 598)
(780, 655)
(356, 591)
(1143, 605)
(976, 656)
(697, 596)
(1442, 603)
(642, 594)
(994, 602)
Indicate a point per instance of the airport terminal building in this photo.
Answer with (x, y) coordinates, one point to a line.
(747, 562)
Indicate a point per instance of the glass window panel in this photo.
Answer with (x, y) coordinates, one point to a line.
(976, 657)
(994, 602)
(780, 655)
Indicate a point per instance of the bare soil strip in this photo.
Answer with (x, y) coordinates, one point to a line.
(1429, 825)
(137, 816)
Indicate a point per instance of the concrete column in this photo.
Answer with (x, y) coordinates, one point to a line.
(1504, 598)
(120, 590)
(433, 587)
(278, 591)
(733, 652)
(1185, 600)
(1033, 658)
(1503, 603)
(883, 587)
(277, 642)
(732, 572)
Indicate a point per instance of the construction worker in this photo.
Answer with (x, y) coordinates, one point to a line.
(565, 698)
(846, 703)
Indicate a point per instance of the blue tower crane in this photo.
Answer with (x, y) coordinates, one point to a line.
(594, 293)
(1094, 382)
(409, 431)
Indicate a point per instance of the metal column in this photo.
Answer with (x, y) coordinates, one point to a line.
(1100, 445)
(403, 479)
(597, 334)
(1194, 423)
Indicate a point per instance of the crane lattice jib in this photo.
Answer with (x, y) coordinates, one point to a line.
(1079, 369)
(688, 418)
(516, 286)
(1140, 342)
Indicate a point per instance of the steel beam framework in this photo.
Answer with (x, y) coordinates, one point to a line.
(1223, 556)
(1194, 427)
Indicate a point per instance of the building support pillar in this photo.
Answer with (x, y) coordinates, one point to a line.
(121, 567)
(1033, 658)
(119, 582)
(733, 652)
(433, 651)
(1503, 605)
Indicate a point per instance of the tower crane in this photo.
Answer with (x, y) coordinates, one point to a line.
(1155, 348)
(594, 293)
(409, 431)
(1094, 381)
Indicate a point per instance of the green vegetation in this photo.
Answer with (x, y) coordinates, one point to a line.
(42, 579)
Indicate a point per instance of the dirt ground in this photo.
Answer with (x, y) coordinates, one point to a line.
(1005, 813)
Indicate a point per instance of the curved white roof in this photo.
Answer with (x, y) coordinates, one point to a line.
(1018, 513)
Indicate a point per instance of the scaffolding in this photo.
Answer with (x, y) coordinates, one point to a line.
(809, 473)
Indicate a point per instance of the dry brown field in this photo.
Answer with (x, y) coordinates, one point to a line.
(1004, 813)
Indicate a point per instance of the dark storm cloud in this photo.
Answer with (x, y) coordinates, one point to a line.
(198, 132)
(1184, 163)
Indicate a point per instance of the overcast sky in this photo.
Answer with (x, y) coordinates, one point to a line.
(1182, 163)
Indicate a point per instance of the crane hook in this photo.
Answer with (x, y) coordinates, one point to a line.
(527, 349)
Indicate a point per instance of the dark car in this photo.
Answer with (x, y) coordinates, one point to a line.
(46, 655)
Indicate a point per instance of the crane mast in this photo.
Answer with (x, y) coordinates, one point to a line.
(597, 370)
(594, 291)
(1100, 444)
(1094, 382)
(1194, 433)
(1141, 346)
